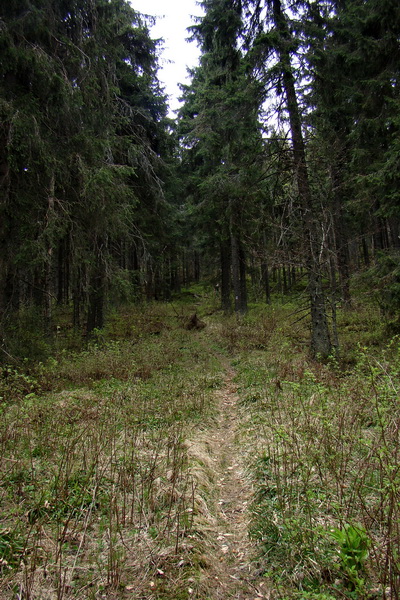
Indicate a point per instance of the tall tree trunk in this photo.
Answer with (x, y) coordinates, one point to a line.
(365, 252)
(285, 280)
(5, 280)
(133, 264)
(235, 271)
(238, 274)
(394, 232)
(320, 338)
(97, 282)
(196, 267)
(225, 259)
(63, 267)
(48, 262)
(77, 301)
(265, 281)
(341, 237)
(242, 279)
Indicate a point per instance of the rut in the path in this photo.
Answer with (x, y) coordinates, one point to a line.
(225, 521)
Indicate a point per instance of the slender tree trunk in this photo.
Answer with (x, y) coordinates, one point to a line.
(4, 193)
(285, 281)
(158, 291)
(3, 281)
(334, 294)
(265, 275)
(265, 280)
(196, 267)
(60, 273)
(365, 249)
(235, 271)
(238, 275)
(235, 262)
(47, 288)
(134, 268)
(320, 338)
(238, 266)
(242, 279)
(341, 239)
(185, 277)
(77, 303)
(225, 259)
(96, 298)
(394, 232)
(63, 265)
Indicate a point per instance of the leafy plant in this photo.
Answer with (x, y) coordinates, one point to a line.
(15, 384)
(11, 550)
(354, 544)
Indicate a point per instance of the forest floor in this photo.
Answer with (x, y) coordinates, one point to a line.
(158, 463)
(128, 477)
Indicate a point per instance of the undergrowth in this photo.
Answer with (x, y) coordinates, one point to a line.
(96, 496)
(98, 499)
(325, 443)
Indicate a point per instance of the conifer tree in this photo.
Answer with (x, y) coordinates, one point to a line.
(82, 139)
(353, 56)
(219, 128)
(275, 40)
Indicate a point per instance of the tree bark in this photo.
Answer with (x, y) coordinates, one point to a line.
(242, 279)
(4, 233)
(235, 271)
(265, 280)
(48, 261)
(96, 298)
(320, 338)
(225, 260)
(340, 233)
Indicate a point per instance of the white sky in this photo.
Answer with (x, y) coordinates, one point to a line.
(175, 17)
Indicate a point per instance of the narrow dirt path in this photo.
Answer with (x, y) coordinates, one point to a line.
(218, 457)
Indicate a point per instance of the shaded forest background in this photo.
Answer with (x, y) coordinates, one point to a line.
(280, 173)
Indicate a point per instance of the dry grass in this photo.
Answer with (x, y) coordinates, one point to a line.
(96, 494)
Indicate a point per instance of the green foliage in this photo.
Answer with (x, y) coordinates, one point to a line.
(221, 146)
(16, 384)
(383, 282)
(354, 545)
(11, 550)
(24, 335)
(82, 138)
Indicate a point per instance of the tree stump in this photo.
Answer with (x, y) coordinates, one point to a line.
(194, 323)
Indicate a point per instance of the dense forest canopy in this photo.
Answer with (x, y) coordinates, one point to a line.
(104, 200)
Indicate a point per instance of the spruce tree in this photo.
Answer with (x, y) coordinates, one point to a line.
(219, 129)
(82, 131)
(274, 48)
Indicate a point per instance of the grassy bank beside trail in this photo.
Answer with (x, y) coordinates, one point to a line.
(97, 497)
(324, 454)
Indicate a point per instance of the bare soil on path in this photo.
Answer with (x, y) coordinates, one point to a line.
(218, 457)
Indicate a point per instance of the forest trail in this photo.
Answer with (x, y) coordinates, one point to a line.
(224, 523)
